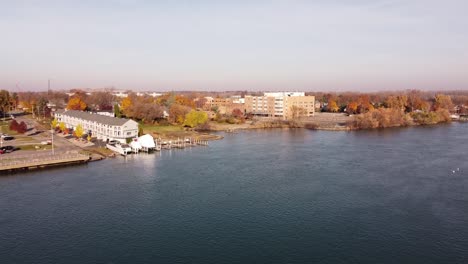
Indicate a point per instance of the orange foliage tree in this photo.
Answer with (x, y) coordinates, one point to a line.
(332, 106)
(75, 103)
(352, 108)
(184, 100)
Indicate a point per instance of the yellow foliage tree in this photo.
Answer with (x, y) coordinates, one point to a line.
(79, 131)
(75, 103)
(195, 118)
(126, 104)
(62, 126)
(54, 123)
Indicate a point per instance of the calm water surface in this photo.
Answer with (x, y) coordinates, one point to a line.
(274, 196)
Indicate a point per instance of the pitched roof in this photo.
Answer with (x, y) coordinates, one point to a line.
(113, 121)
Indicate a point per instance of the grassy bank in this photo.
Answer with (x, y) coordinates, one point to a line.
(5, 128)
(37, 147)
(171, 132)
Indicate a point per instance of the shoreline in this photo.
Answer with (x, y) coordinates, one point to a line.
(97, 153)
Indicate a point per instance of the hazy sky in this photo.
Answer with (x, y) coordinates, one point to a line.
(226, 45)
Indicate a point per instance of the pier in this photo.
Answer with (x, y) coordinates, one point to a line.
(180, 143)
(39, 161)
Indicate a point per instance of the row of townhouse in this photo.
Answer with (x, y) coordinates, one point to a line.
(100, 126)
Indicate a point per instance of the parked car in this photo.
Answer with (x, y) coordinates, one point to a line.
(7, 137)
(8, 149)
(113, 142)
(48, 142)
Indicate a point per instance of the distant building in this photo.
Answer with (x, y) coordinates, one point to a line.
(101, 126)
(120, 94)
(227, 105)
(281, 104)
(106, 113)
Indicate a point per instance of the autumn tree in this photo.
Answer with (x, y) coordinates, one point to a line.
(14, 100)
(297, 112)
(127, 103)
(14, 125)
(352, 107)
(184, 100)
(62, 126)
(177, 113)
(442, 101)
(79, 132)
(148, 112)
(195, 118)
(18, 127)
(237, 113)
(364, 104)
(76, 103)
(57, 98)
(200, 102)
(396, 102)
(332, 106)
(5, 101)
(27, 100)
(166, 99)
(40, 108)
(54, 123)
(381, 118)
(22, 127)
(101, 100)
(415, 101)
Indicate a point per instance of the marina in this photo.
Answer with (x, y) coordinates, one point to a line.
(147, 143)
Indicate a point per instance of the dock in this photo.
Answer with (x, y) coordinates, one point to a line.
(39, 161)
(180, 143)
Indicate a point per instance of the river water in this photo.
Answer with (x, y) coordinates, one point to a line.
(267, 196)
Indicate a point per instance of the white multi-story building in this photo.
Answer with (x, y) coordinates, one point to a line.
(100, 126)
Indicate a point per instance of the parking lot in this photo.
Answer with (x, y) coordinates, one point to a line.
(35, 140)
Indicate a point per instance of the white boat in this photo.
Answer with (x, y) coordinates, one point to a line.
(122, 149)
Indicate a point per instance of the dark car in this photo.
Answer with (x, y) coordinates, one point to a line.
(8, 138)
(8, 149)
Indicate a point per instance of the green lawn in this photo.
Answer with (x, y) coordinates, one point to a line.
(33, 147)
(5, 129)
(147, 128)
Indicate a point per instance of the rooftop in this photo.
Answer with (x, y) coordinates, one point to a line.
(113, 121)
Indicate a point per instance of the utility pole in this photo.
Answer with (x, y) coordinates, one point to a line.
(52, 132)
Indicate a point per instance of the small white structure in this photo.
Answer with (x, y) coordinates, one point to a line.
(147, 142)
(135, 145)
